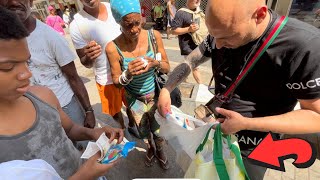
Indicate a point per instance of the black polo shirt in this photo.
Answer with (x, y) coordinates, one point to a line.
(183, 19)
(287, 71)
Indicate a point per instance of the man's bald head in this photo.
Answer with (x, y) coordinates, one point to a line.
(224, 17)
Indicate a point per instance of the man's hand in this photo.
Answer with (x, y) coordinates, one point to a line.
(92, 51)
(193, 27)
(92, 169)
(90, 120)
(112, 133)
(164, 102)
(233, 121)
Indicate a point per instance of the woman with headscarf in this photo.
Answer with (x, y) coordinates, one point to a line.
(133, 63)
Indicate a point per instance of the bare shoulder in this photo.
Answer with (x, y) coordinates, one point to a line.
(157, 34)
(45, 94)
(111, 47)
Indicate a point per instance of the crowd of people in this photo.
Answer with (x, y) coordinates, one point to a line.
(45, 110)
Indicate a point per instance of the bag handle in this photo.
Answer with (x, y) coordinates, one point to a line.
(218, 154)
(201, 146)
(237, 153)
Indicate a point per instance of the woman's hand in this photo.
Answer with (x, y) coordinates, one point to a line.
(138, 66)
(151, 63)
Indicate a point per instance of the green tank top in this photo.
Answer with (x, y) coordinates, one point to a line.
(144, 83)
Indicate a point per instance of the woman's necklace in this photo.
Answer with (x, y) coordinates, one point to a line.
(131, 52)
(138, 52)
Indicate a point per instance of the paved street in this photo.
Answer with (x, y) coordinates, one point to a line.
(133, 166)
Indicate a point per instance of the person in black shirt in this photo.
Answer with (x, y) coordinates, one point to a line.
(287, 73)
(182, 25)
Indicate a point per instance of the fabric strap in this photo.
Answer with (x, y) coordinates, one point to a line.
(265, 45)
(218, 153)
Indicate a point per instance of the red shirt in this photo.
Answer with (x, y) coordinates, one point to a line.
(143, 11)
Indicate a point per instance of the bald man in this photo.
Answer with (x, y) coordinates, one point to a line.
(287, 73)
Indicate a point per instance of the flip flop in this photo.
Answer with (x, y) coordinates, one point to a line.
(149, 161)
(163, 163)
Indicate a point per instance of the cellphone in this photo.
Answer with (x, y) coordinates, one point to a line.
(197, 21)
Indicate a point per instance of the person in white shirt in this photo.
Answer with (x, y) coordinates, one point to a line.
(92, 28)
(66, 17)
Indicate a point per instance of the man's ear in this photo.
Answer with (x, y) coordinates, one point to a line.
(261, 14)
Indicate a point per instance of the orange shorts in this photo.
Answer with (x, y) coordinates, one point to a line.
(111, 98)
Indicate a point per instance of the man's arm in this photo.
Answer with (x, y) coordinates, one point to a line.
(177, 25)
(305, 120)
(181, 72)
(80, 91)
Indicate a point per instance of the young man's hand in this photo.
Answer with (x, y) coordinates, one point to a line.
(92, 51)
(112, 133)
(92, 169)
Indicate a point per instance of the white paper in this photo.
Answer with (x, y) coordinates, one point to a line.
(102, 145)
(91, 149)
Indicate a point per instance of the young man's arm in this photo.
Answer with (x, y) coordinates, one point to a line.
(65, 59)
(198, 56)
(74, 132)
(91, 169)
(81, 92)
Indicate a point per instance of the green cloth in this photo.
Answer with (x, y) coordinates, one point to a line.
(158, 10)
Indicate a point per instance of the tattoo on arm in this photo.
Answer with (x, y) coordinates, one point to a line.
(181, 72)
(196, 58)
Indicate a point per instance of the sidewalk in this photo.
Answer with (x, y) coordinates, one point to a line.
(133, 166)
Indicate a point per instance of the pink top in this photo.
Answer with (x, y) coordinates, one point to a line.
(56, 23)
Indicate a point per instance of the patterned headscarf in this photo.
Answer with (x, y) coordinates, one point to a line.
(120, 8)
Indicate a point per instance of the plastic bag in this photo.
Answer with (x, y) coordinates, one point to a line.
(184, 140)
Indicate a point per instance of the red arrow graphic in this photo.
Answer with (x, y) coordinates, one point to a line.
(271, 153)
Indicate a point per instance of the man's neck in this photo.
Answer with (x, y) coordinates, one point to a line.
(30, 23)
(93, 11)
(191, 8)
